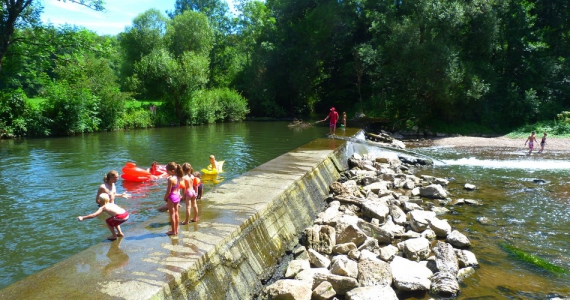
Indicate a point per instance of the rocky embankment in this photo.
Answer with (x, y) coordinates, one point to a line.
(381, 235)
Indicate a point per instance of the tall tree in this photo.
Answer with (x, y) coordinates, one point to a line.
(22, 13)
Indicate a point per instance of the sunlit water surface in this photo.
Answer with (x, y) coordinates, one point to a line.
(527, 202)
(46, 183)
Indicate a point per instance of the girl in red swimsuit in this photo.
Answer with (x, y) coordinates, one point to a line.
(172, 196)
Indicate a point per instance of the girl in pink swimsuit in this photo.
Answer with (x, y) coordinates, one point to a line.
(172, 196)
(190, 193)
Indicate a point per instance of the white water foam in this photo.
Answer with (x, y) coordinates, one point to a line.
(510, 164)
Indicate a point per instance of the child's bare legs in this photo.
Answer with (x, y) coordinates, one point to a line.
(174, 217)
(187, 202)
(194, 208)
(113, 234)
(119, 232)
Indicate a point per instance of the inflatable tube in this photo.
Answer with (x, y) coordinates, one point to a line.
(136, 178)
(133, 173)
(210, 171)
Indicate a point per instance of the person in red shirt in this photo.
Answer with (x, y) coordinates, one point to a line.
(333, 115)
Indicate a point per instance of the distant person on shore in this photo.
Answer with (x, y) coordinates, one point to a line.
(333, 115)
(117, 215)
(109, 188)
(531, 140)
(344, 119)
(172, 195)
(543, 142)
(190, 192)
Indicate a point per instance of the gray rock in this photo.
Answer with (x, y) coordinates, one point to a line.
(343, 248)
(458, 239)
(341, 284)
(343, 266)
(324, 291)
(416, 249)
(295, 267)
(318, 260)
(445, 284)
(409, 275)
(466, 258)
(321, 238)
(372, 293)
(433, 191)
(286, 289)
(373, 272)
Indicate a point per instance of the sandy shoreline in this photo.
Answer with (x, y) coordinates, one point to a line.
(504, 142)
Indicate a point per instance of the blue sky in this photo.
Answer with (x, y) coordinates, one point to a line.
(118, 14)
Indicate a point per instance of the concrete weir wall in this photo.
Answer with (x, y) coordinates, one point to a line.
(246, 224)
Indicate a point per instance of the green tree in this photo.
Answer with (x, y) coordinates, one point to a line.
(190, 32)
(23, 13)
(145, 35)
(175, 77)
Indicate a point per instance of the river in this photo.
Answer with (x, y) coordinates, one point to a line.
(46, 183)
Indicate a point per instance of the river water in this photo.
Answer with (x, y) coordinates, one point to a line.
(46, 183)
(526, 200)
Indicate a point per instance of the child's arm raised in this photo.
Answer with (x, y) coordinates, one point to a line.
(93, 215)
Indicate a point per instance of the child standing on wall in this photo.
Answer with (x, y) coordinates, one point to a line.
(172, 195)
(117, 215)
(190, 192)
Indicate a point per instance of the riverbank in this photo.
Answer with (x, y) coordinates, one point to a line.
(556, 144)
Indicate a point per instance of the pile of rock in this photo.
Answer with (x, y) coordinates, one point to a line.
(379, 236)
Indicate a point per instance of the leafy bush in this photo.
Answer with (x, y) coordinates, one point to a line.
(13, 109)
(210, 106)
(137, 118)
(70, 110)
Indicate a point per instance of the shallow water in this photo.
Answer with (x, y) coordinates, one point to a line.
(46, 183)
(527, 201)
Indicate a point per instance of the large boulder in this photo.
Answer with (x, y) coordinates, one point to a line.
(296, 266)
(372, 293)
(347, 231)
(318, 260)
(321, 238)
(373, 272)
(420, 219)
(375, 209)
(409, 275)
(343, 266)
(440, 227)
(433, 191)
(458, 239)
(341, 284)
(415, 249)
(445, 258)
(289, 289)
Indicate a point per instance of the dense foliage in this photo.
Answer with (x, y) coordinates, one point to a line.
(483, 64)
